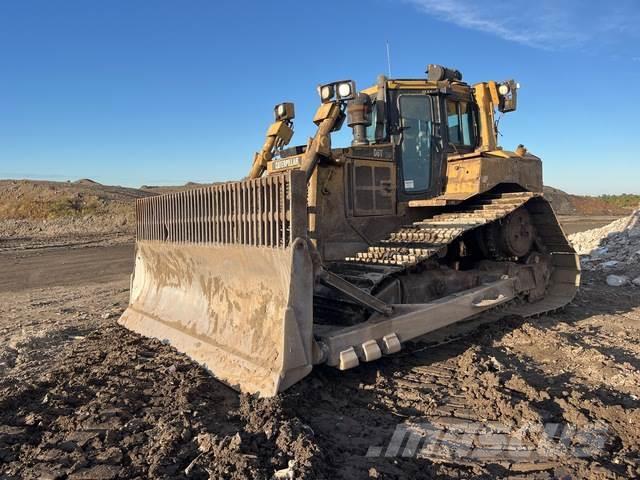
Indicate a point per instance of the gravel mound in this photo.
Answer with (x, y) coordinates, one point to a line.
(617, 232)
(614, 249)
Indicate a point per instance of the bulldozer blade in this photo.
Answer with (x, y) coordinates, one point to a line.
(244, 313)
(225, 274)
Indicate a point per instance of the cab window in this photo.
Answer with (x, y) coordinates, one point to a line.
(454, 122)
(460, 123)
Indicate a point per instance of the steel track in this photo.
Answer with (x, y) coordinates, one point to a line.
(426, 240)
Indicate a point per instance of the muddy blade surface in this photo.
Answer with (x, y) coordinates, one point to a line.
(242, 312)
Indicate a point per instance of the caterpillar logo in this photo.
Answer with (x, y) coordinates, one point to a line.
(284, 163)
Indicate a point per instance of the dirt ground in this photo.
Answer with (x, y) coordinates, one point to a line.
(49, 267)
(82, 398)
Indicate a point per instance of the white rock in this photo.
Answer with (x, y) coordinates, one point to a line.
(610, 264)
(636, 281)
(288, 472)
(616, 280)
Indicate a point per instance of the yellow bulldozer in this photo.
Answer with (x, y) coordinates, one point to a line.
(339, 256)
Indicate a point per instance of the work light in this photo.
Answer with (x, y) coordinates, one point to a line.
(326, 93)
(342, 91)
(284, 111)
(503, 89)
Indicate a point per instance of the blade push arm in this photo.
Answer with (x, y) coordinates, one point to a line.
(328, 118)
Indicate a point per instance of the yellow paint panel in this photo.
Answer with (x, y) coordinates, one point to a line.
(482, 173)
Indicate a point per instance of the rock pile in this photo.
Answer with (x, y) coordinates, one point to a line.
(614, 249)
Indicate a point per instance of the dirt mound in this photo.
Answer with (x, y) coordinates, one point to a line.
(41, 212)
(561, 201)
(566, 204)
(34, 200)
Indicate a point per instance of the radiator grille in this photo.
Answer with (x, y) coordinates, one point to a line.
(269, 211)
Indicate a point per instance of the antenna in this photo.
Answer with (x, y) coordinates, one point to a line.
(388, 59)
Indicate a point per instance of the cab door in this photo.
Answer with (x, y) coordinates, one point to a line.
(420, 164)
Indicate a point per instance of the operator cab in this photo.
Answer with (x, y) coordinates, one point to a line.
(422, 121)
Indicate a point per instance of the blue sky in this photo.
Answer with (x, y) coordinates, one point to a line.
(168, 91)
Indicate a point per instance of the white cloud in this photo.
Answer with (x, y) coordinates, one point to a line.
(545, 24)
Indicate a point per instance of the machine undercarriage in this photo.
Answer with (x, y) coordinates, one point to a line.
(493, 237)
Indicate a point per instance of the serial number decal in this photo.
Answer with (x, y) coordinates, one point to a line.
(286, 163)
